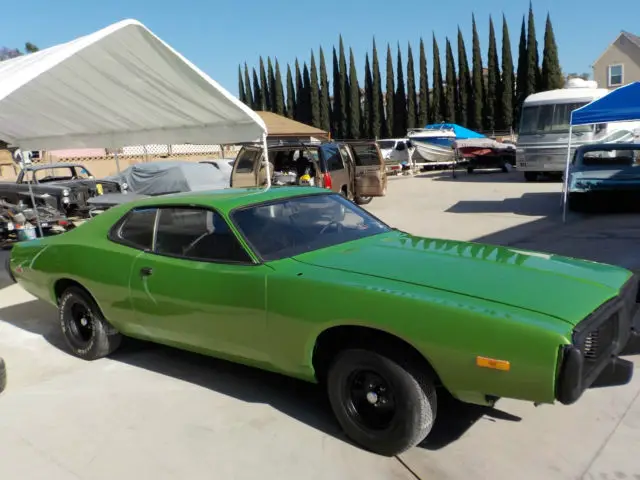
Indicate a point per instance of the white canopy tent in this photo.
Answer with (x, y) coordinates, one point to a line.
(119, 86)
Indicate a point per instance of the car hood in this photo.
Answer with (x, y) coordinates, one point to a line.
(561, 287)
(86, 182)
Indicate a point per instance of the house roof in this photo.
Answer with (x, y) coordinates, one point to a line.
(635, 39)
(279, 126)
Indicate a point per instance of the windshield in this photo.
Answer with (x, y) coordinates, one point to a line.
(386, 144)
(551, 118)
(54, 174)
(298, 225)
(606, 157)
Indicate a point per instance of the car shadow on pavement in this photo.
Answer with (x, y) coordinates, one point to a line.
(303, 401)
(537, 204)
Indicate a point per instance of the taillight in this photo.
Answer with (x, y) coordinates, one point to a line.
(326, 181)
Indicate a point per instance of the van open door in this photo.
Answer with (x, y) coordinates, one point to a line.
(245, 168)
(370, 176)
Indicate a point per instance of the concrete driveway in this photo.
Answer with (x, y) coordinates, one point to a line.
(157, 413)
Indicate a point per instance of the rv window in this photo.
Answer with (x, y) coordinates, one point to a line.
(551, 118)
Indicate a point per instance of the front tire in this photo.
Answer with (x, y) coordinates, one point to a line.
(381, 405)
(363, 200)
(86, 332)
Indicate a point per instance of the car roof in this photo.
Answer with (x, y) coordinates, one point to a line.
(227, 199)
(590, 147)
(45, 166)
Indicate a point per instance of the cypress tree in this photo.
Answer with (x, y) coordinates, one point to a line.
(478, 81)
(388, 132)
(366, 129)
(437, 102)
(344, 93)
(552, 77)
(264, 88)
(377, 109)
(400, 102)
(492, 102)
(506, 97)
(533, 60)
(299, 113)
(325, 105)
(353, 119)
(306, 95)
(412, 106)
(241, 93)
(423, 105)
(314, 94)
(465, 96)
(337, 98)
(271, 100)
(451, 86)
(521, 77)
(279, 92)
(258, 100)
(291, 94)
(247, 86)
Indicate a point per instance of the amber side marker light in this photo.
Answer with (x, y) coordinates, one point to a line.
(492, 363)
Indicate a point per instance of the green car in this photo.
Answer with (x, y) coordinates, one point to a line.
(301, 281)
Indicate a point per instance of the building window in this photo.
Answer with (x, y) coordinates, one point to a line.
(615, 75)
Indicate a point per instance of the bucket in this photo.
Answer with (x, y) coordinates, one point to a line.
(28, 232)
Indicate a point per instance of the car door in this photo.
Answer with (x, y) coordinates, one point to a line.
(199, 288)
(370, 176)
(335, 172)
(246, 167)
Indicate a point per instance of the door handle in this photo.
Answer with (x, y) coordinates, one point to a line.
(146, 271)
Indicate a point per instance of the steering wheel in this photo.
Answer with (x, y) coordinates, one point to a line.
(337, 225)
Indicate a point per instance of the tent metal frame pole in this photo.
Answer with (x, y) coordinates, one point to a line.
(115, 154)
(265, 148)
(565, 182)
(33, 202)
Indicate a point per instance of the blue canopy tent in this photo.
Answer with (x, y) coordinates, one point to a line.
(621, 105)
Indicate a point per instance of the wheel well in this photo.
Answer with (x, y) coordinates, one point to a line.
(335, 339)
(63, 284)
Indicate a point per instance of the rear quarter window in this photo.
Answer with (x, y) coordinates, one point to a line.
(246, 161)
(365, 155)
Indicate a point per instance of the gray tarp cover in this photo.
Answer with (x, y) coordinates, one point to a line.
(158, 178)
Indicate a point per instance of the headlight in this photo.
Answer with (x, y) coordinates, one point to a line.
(124, 185)
(65, 193)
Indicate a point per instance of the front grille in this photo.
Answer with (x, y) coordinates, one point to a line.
(598, 341)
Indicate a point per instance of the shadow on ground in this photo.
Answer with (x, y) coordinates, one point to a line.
(530, 204)
(488, 175)
(303, 401)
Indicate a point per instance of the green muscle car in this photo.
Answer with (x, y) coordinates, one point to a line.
(301, 281)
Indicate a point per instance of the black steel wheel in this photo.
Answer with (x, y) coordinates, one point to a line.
(386, 406)
(86, 332)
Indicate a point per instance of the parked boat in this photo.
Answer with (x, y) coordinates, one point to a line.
(434, 143)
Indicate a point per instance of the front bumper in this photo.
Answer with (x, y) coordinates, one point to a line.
(592, 360)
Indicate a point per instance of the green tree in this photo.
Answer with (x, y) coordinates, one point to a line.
(377, 112)
(412, 106)
(552, 77)
(423, 105)
(291, 94)
(300, 106)
(344, 92)
(533, 60)
(325, 105)
(451, 86)
(478, 81)
(437, 110)
(493, 101)
(271, 100)
(258, 100)
(314, 94)
(400, 101)
(337, 98)
(353, 119)
(264, 88)
(247, 86)
(389, 94)
(521, 76)
(507, 93)
(241, 93)
(366, 128)
(306, 95)
(279, 92)
(30, 47)
(465, 91)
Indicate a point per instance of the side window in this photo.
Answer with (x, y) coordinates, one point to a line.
(331, 157)
(366, 155)
(246, 161)
(197, 234)
(137, 228)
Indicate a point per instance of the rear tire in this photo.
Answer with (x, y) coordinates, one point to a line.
(384, 406)
(87, 334)
(363, 200)
(531, 176)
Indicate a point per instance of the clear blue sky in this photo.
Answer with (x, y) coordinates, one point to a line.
(218, 35)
